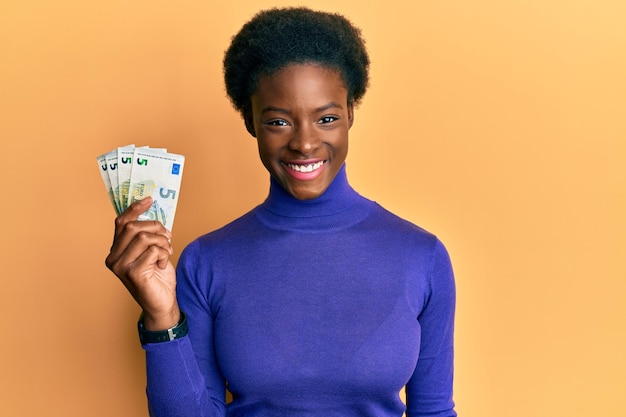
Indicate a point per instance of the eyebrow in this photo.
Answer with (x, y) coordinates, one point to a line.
(331, 105)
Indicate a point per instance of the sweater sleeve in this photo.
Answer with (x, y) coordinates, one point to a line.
(183, 379)
(429, 391)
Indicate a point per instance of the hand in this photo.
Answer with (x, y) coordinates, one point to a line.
(139, 257)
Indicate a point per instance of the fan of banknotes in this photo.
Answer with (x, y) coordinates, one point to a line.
(132, 173)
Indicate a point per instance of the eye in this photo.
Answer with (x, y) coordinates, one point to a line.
(277, 122)
(328, 119)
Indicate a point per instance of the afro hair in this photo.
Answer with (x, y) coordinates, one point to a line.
(276, 38)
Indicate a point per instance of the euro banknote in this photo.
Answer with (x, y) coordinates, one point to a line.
(124, 168)
(132, 173)
(104, 173)
(111, 161)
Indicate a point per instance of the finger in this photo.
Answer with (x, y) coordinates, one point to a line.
(146, 266)
(128, 247)
(128, 230)
(158, 251)
(145, 280)
(139, 276)
(125, 230)
(132, 213)
(139, 231)
(144, 240)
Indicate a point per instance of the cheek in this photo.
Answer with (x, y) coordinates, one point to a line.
(341, 142)
(266, 154)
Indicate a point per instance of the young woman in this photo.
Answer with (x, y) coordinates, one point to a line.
(318, 302)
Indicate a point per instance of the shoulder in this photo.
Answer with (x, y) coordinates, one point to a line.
(236, 229)
(412, 254)
(397, 227)
(407, 239)
(229, 235)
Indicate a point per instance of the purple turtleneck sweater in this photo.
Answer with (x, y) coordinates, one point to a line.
(324, 307)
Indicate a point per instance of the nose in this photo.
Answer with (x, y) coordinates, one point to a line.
(305, 140)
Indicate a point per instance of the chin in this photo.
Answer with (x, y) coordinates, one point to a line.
(307, 194)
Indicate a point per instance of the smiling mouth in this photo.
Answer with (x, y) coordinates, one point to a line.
(304, 168)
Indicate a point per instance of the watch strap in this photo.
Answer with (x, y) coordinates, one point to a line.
(148, 336)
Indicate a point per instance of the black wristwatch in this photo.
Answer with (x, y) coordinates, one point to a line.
(146, 336)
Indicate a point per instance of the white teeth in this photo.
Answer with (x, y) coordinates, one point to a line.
(307, 167)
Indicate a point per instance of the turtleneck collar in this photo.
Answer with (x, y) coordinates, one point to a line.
(340, 206)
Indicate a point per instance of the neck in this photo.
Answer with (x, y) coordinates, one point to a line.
(340, 205)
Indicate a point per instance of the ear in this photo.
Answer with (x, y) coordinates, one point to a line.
(247, 119)
(350, 113)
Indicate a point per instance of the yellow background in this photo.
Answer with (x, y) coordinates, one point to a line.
(498, 125)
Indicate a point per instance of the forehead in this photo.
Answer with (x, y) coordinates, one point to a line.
(301, 82)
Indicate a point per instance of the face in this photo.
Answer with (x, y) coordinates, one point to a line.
(301, 118)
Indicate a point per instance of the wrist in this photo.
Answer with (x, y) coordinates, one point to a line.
(160, 322)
